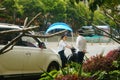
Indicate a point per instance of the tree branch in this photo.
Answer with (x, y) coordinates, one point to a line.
(24, 30)
(19, 36)
(9, 48)
(33, 19)
(46, 36)
(11, 42)
(16, 31)
(112, 18)
(109, 34)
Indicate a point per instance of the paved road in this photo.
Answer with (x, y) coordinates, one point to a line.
(92, 48)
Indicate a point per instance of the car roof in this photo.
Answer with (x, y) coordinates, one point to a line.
(9, 26)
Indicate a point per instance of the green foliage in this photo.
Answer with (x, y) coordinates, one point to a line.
(73, 12)
(116, 64)
(103, 75)
(99, 18)
(110, 8)
(95, 3)
(109, 3)
(114, 75)
(13, 5)
(49, 75)
(70, 72)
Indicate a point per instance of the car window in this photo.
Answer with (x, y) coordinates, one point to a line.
(29, 41)
(23, 41)
(5, 38)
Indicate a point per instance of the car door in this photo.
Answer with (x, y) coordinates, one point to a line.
(11, 62)
(33, 55)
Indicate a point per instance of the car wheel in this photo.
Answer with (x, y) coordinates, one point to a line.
(2, 78)
(53, 66)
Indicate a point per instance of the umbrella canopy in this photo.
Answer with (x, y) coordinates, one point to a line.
(58, 25)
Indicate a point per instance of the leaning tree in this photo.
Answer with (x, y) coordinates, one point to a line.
(109, 8)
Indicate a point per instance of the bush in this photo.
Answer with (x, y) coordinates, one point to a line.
(104, 67)
(97, 63)
(71, 72)
(113, 54)
(73, 77)
(102, 63)
(67, 77)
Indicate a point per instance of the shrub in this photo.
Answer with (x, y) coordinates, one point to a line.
(101, 63)
(96, 63)
(104, 67)
(73, 77)
(67, 77)
(71, 72)
(113, 54)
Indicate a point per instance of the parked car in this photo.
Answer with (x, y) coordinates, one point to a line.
(88, 30)
(29, 55)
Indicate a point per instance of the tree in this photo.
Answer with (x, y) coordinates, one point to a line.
(110, 8)
(13, 8)
(76, 13)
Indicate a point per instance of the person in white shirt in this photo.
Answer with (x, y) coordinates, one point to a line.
(80, 46)
(61, 48)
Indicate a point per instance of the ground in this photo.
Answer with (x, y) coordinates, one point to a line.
(92, 48)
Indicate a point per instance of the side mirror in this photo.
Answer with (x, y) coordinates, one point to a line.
(42, 45)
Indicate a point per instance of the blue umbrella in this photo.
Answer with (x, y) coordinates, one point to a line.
(58, 25)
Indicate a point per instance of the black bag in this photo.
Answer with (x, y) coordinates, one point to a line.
(73, 56)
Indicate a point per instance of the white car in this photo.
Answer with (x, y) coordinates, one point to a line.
(28, 56)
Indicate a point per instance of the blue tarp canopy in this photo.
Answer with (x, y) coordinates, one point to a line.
(58, 25)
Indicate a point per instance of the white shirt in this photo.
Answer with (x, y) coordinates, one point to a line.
(61, 45)
(80, 43)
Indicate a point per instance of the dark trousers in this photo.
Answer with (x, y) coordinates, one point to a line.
(80, 57)
(63, 57)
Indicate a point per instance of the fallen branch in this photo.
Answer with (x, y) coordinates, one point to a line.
(23, 31)
(9, 44)
(9, 48)
(46, 36)
(17, 38)
(18, 30)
